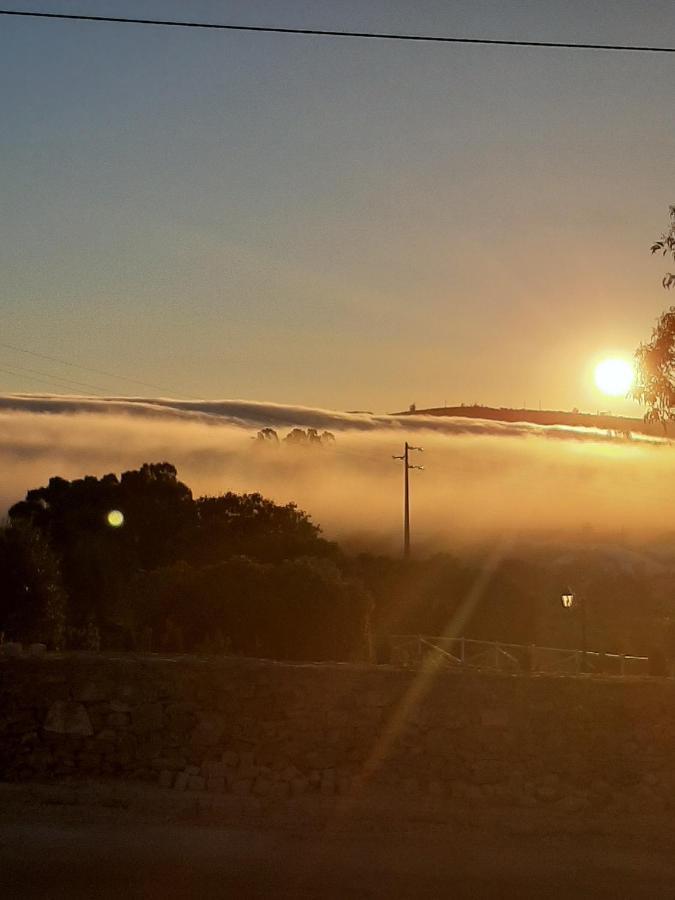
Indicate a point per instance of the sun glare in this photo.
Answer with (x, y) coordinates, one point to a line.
(115, 518)
(614, 377)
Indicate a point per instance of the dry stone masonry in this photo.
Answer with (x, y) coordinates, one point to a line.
(271, 733)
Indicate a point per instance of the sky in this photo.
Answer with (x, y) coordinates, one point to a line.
(337, 223)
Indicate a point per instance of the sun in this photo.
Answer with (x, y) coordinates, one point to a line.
(614, 377)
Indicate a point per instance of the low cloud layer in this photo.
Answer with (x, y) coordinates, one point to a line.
(481, 478)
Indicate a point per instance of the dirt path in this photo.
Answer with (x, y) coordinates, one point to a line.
(104, 850)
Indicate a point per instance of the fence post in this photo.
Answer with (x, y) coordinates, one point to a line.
(461, 649)
(419, 648)
(623, 663)
(496, 656)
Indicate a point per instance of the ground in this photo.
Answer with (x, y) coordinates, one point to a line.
(96, 842)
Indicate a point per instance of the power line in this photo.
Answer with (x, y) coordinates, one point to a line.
(319, 32)
(42, 381)
(65, 362)
(59, 378)
(407, 466)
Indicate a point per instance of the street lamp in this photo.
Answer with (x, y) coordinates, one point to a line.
(570, 600)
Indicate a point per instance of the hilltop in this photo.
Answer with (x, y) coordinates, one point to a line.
(574, 418)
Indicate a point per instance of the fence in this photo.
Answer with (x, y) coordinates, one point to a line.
(466, 653)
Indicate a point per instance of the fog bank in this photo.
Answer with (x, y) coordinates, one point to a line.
(481, 478)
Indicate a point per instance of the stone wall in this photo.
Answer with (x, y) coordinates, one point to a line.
(268, 733)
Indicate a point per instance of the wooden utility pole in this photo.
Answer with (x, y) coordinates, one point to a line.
(406, 494)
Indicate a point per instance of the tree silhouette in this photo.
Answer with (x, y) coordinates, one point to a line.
(32, 598)
(298, 609)
(655, 361)
(267, 436)
(666, 247)
(251, 525)
(311, 438)
(97, 561)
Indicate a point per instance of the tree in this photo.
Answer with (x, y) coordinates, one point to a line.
(267, 436)
(251, 525)
(96, 559)
(666, 247)
(296, 437)
(297, 609)
(655, 361)
(32, 598)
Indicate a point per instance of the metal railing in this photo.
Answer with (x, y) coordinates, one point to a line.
(467, 653)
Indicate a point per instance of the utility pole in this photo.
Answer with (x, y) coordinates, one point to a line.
(407, 466)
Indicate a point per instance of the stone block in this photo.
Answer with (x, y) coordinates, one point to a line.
(118, 720)
(279, 790)
(215, 785)
(375, 699)
(37, 650)
(241, 787)
(21, 722)
(172, 762)
(488, 771)
(248, 771)
(410, 786)
(494, 718)
(262, 787)
(147, 717)
(473, 794)
(321, 759)
(230, 759)
(196, 783)
(89, 762)
(247, 759)
(181, 782)
(166, 779)
(547, 792)
(11, 649)
(573, 803)
(213, 769)
(93, 692)
(299, 786)
(209, 731)
(436, 788)
(65, 717)
(150, 748)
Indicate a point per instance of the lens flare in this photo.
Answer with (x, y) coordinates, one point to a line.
(115, 518)
(614, 377)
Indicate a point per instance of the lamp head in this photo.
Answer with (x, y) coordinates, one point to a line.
(567, 599)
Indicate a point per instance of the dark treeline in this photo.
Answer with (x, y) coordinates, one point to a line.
(240, 574)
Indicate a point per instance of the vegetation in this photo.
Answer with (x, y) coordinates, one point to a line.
(235, 571)
(655, 361)
(241, 574)
(32, 598)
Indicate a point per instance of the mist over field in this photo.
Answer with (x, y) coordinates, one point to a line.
(482, 479)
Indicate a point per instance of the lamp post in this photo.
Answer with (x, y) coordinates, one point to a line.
(570, 600)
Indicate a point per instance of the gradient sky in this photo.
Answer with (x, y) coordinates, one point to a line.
(342, 223)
